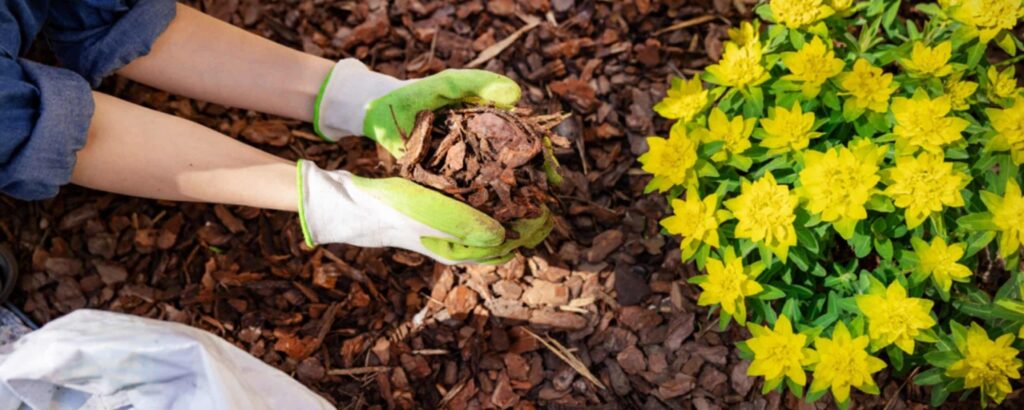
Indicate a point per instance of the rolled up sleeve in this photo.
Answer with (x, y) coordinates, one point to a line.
(44, 119)
(94, 38)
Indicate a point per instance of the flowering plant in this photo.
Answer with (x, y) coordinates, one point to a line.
(850, 180)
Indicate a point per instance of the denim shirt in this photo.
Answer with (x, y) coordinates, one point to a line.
(45, 111)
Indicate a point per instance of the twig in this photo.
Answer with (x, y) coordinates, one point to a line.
(430, 352)
(686, 23)
(568, 358)
(497, 48)
(452, 393)
(896, 394)
(355, 371)
(325, 326)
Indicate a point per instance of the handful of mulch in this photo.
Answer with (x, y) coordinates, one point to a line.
(497, 161)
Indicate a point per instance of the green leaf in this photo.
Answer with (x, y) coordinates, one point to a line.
(931, 9)
(813, 396)
(978, 241)
(978, 221)
(941, 359)
(794, 388)
(706, 150)
(861, 244)
(884, 248)
(974, 54)
(799, 258)
(939, 395)
(895, 357)
(807, 240)
(929, 377)
(1005, 42)
(771, 293)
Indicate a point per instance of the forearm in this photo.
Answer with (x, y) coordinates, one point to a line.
(136, 151)
(201, 57)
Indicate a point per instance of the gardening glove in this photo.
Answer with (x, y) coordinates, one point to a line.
(338, 207)
(355, 100)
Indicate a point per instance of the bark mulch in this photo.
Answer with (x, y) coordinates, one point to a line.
(598, 316)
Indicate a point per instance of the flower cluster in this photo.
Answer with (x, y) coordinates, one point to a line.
(849, 181)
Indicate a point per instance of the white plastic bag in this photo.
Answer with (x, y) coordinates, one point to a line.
(92, 359)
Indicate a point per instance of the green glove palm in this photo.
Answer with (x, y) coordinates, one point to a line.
(338, 207)
(445, 88)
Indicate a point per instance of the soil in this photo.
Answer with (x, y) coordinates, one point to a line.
(598, 316)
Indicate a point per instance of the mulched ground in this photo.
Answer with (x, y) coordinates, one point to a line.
(599, 316)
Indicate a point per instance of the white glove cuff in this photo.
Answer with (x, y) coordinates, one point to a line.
(325, 202)
(347, 91)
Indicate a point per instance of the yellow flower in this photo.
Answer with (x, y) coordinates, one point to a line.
(799, 13)
(812, 65)
(929, 61)
(837, 183)
(895, 318)
(740, 66)
(1009, 126)
(940, 261)
(1008, 216)
(843, 362)
(923, 185)
(986, 18)
(745, 34)
(959, 91)
(734, 132)
(923, 122)
(778, 353)
(696, 221)
(987, 363)
(764, 210)
(728, 283)
(671, 160)
(868, 87)
(842, 7)
(1003, 84)
(685, 99)
(947, 4)
(788, 130)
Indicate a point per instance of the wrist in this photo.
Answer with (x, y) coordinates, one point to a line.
(341, 104)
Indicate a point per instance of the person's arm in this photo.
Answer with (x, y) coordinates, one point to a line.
(204, 58)
(200, 57)
(136, 151)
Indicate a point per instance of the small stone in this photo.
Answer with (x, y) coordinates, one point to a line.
(677, 386)
(741, 382)
(111, 273)
(415, 365)
(711, 378)
(558, 320)
(516, 366)
(619, 380)
(310, 370)
(632, 360)
(604, 244)
(460, 302)
(630, 288)
(638, 318)
(58, 266)
(507, 289)
(504, 397)
(544, 293)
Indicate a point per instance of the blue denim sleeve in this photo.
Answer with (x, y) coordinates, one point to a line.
(44, 119)
(94, 38)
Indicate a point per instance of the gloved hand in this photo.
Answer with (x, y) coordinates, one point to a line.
(355, 100)
(338, 207)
